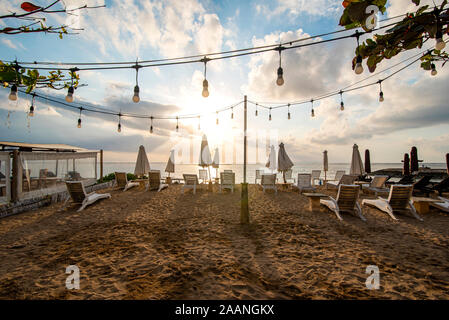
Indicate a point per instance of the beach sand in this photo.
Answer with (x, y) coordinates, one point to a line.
(169, 245)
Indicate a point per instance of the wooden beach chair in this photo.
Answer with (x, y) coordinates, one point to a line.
(377, 185)
(258, 176)
(399, 200)
(345, 179)
(268, 181)
(289, 175)
(347, 197)
(202, 175)
(315, 176)
(420, 187)
(304, 182)
(227, 181)
(439, 188)
(154, 181)
(443, 205)
(79, 196)
(121, 181)
(190, 182)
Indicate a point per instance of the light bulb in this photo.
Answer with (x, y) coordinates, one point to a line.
(381, 96)
(289, 116)
(217, 121)
(269, 118)
(13, 94)
(79, 123)
(256, 113)
(151, 129)
(313, 113)
(136, 94)
(232, 115)
(342, 106)
(69, 96)
(31, 113)
(280, 79)
(205, 88)
(177, 128)
(440, 44)
(434, 70)
(119, 128)
(358, 66)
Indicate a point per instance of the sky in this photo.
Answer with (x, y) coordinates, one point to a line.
(415, 111)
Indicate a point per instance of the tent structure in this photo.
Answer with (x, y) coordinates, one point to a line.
(271, 163)
(325, 164)
(170, 168)
(284, 162)
(142, 163)
(205, 156)
(356, 163)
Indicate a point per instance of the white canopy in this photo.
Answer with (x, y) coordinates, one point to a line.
(142, 164)
(356, 163)
(271, 163)
(216, 161)
(171, 162)
(205, 156)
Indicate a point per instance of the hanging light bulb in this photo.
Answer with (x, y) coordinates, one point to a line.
(217, 117)
(232, 113)
(136, 97)
(151, 126)
(440, 44)
(205, 92)
(288, 106)
(177, 126)
(358, 66)
(280, 72)
(119, 127)
(199, 123)
(342, 105)
(313, 111)
(13, 94)
(434, 70)
(256, 113)
(79, 119)
(269, 117)
(31, 112)
(381, 94)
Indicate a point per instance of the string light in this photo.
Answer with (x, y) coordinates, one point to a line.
(79, 119)
(434, 70)
(119, 127)
(288, 106)
(269, 117)
(381, 94)
(256, 109)
(358, 66)
(342, 105)
(151, 125)
(217, 117)
(205, 92)
(71, 90)
(440, 44)
(31, 112)
(232, 113)
(136, 97)
(177, 125)
(313, 111)
(13, 94)
(280, 72)
(199, 122)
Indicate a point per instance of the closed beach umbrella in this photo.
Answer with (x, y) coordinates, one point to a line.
(406, 167)
(414, 166)
(367, 162)
(142, 164)
(325, 163)
(205, 156)
(356, 163)
(170, 168)
(216, 161)
(271, 163)
(284, 162)
(447, 162)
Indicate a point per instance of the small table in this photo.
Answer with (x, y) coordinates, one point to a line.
(141, 182)
(422, 204)
(314, 200)
(361, 183)
(286, 186)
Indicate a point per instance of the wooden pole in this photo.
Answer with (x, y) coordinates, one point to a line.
(101, 165)
(244, 210)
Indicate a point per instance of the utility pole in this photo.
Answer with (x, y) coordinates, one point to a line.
(244, 210)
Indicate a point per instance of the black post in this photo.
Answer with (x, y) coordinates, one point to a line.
(244, 210)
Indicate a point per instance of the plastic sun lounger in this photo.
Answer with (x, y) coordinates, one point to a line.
(316, 174)
(399, 200)
(377, 185)
(121, 181)
(268, 181)
(346, 200)
(443, 205)
(345, 179)
(154, 181)
(258, 176)
(79, 196)
(227, 181)
(190, 182)
(304, 182)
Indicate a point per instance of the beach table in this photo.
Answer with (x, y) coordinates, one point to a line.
(286, 186)
(141, 182)
(314, 200)
(422, 204)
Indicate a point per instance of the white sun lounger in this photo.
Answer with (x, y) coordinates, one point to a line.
(315, 176)
(398, 200)
(377, 185)
(190, 182)
(121, 181)
(443, 205)
(203, 175)
(304, 182)
(154, 181)
(258, 176)
(345, 179)
(79, 196)
(227, 181)
(268, 181)
(347, 197)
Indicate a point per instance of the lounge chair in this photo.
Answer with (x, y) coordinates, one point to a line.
(190, 182)
(347, 197)
(154, 181)
(268, 181)
(258, 176)
(443, 205)
(203, 175)
(79, 196)
(316, 174)
(345, 179)
(304, 182)
(405, 180)
(121, 181)
(227, 181)
(440, 187)
(420, 187)
(377, 185)
(289, 175)
(398, 200)
(338, 175)
(227, 170)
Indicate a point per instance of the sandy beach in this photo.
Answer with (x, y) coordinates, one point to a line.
(169, 245)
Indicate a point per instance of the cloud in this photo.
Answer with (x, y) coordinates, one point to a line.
(294, 8)
(13, 45)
